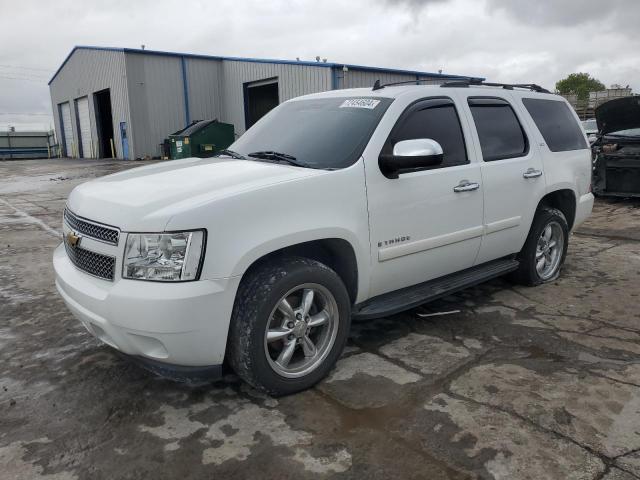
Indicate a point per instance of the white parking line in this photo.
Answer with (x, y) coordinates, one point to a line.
(31, 219)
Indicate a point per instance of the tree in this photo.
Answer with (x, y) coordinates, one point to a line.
(579, 84)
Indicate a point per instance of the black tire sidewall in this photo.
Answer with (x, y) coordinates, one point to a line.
(544, 216)
(287, 275)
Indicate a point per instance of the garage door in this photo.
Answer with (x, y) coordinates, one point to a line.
(84, 125)
(67, 131)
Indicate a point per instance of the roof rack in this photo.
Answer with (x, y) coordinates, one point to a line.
(377, 85)
(507, 86)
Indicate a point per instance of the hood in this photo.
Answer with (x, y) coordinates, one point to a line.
(145, 198)
(619, 114)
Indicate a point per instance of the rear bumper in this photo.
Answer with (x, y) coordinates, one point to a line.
(177, 324)
(583, 209)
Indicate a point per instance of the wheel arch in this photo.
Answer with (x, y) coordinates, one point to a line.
(564, 200)
(337, 253)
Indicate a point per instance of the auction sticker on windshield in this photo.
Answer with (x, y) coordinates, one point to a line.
(368, 103)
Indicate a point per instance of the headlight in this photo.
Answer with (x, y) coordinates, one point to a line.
(163, 257)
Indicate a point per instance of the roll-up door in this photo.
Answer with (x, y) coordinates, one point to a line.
(84, 126)
(67, 130)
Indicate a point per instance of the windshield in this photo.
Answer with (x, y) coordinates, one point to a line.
(590, 125)
(324, 133)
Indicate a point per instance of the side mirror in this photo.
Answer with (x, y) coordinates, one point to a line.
(411, 155)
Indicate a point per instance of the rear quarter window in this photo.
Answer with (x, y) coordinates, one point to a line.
(556, 123)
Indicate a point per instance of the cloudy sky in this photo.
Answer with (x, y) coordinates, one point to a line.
(537, 41)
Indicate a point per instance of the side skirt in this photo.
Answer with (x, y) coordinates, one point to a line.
(410, 297)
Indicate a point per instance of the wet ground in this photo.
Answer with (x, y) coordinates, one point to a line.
(515, 383)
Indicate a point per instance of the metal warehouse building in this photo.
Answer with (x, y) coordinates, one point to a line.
(131, 99)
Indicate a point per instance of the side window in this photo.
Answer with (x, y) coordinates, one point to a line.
(438, 120)
(556, 123)
(501, 135)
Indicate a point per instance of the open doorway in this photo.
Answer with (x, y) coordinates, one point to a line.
(104, 122)
(259, 98)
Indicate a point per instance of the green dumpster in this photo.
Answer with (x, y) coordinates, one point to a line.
(203, 138)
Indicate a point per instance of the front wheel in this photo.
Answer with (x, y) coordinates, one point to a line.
(544, 251)
(289, 325)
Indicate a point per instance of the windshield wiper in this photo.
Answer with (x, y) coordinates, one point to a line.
(279, 157)
(230, 153)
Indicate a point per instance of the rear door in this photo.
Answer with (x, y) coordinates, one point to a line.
(512, 173)
(423, 225)
(563, 146)
(84, 127)
(67, 129)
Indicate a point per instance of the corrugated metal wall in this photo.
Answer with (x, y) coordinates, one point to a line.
(148, 90)
(86, 72)
(157, 100)
(204, 79)
(293, 81)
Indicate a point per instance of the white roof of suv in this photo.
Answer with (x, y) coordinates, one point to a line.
(395, 91)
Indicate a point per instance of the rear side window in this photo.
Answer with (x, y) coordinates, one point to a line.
(438, 120)
(556, 123)
(501, 135)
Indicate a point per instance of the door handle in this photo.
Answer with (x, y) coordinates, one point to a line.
(532, 173)
(466, 186)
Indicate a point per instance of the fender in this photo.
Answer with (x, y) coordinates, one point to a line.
(272, 245)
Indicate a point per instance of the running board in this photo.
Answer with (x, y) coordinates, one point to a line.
(410, 297)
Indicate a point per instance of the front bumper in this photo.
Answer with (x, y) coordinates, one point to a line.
(180, 324)
(617, 175)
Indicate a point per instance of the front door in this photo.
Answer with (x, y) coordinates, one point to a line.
(423, 224)
(512, 174)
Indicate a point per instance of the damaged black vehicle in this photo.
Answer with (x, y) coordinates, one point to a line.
(616, 152)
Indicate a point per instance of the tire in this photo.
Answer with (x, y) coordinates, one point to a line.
(528, 273)
(266, 364)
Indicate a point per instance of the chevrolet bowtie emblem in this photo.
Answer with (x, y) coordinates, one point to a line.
(73, 239)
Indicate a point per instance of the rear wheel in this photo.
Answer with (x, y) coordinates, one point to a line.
(289, 325)
(545, 250)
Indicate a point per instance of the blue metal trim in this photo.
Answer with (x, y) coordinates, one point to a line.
(185, 91)
(75, 109)
(245, 104)
(62, 142)
(258, 60)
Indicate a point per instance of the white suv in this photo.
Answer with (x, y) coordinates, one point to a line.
(349, 203)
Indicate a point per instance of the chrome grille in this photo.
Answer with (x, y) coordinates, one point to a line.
(90, 229)
(96, 264)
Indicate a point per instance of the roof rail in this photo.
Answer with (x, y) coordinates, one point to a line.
(507, 86)
(377, 85)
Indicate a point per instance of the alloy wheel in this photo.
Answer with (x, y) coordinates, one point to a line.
(301, 330)
(549, 250)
